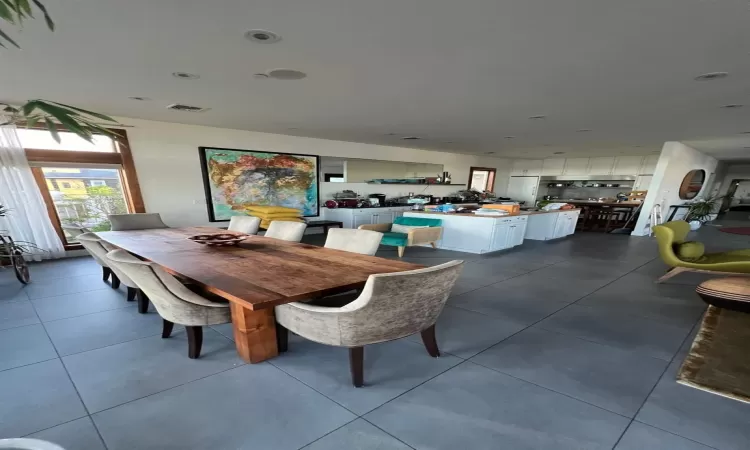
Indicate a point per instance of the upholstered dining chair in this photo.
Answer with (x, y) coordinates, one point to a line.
(244, 224)
(356, 241)
(139, 221)
(286, 230)
(98, 250)
(391, 306)
(174, 302)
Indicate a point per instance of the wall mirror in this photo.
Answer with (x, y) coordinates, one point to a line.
(692, 184)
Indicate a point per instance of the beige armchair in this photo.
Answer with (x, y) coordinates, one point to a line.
(140, 221)
(355, 241)
(286, 230)
(391, 306)
(244, 224)
(408, 231)
(174, 302)
(98, 250)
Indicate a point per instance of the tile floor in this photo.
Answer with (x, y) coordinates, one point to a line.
(561, 345)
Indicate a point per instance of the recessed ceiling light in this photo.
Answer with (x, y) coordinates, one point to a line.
(187, 108)
(286, 74)
(510, 137)
(746, 147)
(410, 138)
(489, 153)
(711, 76)
(262, 36)
(185, 75)
(391, 134)
(745, 132)
(292, 128)
(541, 116)
(583, 130)
(260, 76)
(559, 153)
(140, 99)
(638, 146)
(732, 106)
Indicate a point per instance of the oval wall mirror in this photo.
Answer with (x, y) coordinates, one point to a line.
(692, 184)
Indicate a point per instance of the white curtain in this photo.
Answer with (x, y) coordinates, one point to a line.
(27, 218)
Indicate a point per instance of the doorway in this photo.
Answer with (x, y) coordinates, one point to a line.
(482, 179)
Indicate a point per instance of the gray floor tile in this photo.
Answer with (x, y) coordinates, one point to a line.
(465, 333)
(64, 268)
(250, 407)
(462, 287)
(645, 336)
(17, 314)
(612, 379)
(61, 286)
(225, 330)
(80, 303)
(517, 301)
(391, 369)
(24, 345)
(79, 334)
(79, 434)
(640, 437)
(484, 276)
(697, 415)
(36, 397)
(12, 291)
(358, 435)
(120, 373)
(473, 407)
(519, 260)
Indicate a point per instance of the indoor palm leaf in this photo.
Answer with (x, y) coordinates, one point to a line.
(15, 12)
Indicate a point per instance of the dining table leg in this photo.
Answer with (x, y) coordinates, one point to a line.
(254, 333)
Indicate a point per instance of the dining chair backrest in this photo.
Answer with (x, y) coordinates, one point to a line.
(139, 221)
(365, 242)
(244, 224)
(395, 305)
(286, 230)
(172, 299)
(93, 244)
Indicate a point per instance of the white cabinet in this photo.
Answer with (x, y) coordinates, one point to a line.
(627, 165)
(360, 219)
(576, 166)
(601, 166)
(523, 189)
(642, 182)
(382, 217)
(649, 165)
(522, 167)
(517, 232)
(353, 218)
(500, 236)
(508, 233)
(555, 225)
(553, 166)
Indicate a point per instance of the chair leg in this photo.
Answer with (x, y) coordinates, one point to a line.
(401, 251)
(671, 273)
(166, 329)
(115, 281)
(434, 245)
(106, 272)
(430, 343)
(357, 365)
(132, 293)
(142, 301)
(282, 338)
(195, 341)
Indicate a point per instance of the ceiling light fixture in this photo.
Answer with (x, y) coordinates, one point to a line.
(732, 106)
(262, 37)
(185, 75)
(140, 99)
(559, 153)
(583, 130)
(489, 153)
(711, 76)
(745, 132)
(541, 116)
(186, 108)
(410, 138)
(286, 74)
(510, 137)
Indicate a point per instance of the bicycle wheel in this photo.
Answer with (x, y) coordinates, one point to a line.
(20, 267)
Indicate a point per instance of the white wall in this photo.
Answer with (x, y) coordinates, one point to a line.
(734, 172)
(167, 163)
(675, 161)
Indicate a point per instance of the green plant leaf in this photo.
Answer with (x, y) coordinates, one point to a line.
(8, 38)
(28, 107)
(85, 111)
(31, 121)
(65, 118)
(6, 13)
(52, 129)
(23, 6)
(47, 18)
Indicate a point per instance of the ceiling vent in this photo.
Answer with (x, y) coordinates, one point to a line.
(187, 108)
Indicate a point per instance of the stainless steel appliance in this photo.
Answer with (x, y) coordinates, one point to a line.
(380, 198)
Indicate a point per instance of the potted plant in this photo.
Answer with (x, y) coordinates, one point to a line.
(702, 210)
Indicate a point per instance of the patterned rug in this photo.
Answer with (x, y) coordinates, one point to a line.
(736, 230)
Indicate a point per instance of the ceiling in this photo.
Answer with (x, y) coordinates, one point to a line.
(464, 76)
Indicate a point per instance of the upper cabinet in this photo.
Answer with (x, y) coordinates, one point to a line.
(526, 167)
(601, 166)
(576, 166)
(553, 166)
(649, 165)
(627, 165)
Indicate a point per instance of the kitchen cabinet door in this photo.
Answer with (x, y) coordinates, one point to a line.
(523, 189)
(576, 166)
(383, 217)
(522, 167)
(500, 236)
(627, 165)
(553, 166)
(642, 182)
(649, 165)
(517, 232)
(561, 226)
(601, 166)
(362, 219)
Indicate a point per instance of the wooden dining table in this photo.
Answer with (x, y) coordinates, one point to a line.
(254, 276)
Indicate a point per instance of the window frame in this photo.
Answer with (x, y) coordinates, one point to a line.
(122, 157)
(490, 179)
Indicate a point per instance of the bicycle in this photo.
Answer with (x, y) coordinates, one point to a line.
(11, 254)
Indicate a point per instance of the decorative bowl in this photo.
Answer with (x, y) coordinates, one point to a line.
(218, 240)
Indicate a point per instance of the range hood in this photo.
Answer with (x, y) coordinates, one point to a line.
(589, 178)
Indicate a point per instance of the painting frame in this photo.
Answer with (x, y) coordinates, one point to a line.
(207, 182)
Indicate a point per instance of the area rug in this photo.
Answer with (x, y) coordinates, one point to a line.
(736, 230)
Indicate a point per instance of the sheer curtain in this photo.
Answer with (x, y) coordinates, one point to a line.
(27, 219)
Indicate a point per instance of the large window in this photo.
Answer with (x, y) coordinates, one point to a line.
(482, 179)
(82, 183)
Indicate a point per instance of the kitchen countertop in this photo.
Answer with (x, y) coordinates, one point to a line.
(595, 203)
(522, 213)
